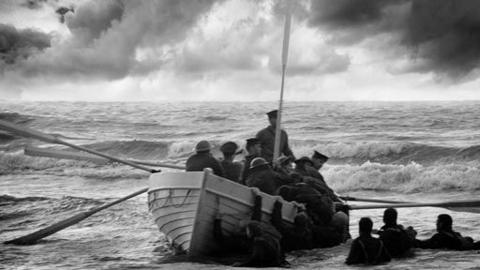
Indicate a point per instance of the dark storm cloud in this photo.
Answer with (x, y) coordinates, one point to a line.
(93, 19)
(18, 45)
(106, 36)
(442, 36)
(33, 4)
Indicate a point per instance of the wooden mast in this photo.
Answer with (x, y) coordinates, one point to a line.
(286, 40)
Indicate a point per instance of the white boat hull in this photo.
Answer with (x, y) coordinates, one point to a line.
(184, 206)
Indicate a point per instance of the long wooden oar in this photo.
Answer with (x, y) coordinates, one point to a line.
(27, 132)
(32, 238)
(472, 206)
(357, 199)
(61, 154)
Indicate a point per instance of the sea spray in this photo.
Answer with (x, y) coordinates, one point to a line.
(409, 178)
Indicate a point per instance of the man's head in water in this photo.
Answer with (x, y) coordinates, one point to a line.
(390, 216)
(444, 222)
(365, 226)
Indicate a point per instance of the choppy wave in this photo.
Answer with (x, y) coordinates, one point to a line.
(389, 152)
(409, 178)
(15, 117)
(132, 149)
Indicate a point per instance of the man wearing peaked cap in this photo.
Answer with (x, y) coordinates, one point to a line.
(253, 150)
(203, 159)
(318, 159)
(266, 137)
(233, 169)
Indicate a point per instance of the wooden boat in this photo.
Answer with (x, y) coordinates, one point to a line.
(185, 204)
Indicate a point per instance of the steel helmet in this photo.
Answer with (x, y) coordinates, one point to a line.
(258, 161)
(203, 146)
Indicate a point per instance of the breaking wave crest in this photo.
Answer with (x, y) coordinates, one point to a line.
(408, 178)
(389, 152)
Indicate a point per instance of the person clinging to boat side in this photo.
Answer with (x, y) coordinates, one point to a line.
(233, 169)
(203, 159)
(366, 249)
(397, 240)
(259, 240)
(266, 137)
(447, 238)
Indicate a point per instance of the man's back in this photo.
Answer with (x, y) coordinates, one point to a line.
(233, 170)
(367, 250)
(396, 240)
(200, 161)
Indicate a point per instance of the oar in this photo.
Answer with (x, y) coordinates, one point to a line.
(27, 132)
(61, 154)
(357, 199)
(472, 206)
(32, 238)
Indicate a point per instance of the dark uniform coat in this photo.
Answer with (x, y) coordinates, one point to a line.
(265, 179)
(266, 137)
(246, 167)
(396, 240)
(233, 170)
(446, 240)
(200, 161)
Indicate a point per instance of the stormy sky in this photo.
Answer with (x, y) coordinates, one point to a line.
(208, 50)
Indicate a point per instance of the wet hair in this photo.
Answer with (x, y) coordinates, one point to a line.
(390, 216)
(365, 225)
(446, 221)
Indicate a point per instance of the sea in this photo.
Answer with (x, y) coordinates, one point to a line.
(406, 151)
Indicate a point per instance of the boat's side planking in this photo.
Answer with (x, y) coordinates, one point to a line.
(185, 204)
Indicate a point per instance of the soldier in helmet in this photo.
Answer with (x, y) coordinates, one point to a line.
(203, 159)
(233, 169)
(266, 137)
(264, 178)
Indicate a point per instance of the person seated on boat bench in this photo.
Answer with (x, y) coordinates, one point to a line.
(233, 169)
(286, 169)
(266, 137)
(366, 249)
(264, 178)
(397, 240)
(203, 159)
(312, 169)
(446, 237)
(254, 150)
(304, 167)
(260, 240)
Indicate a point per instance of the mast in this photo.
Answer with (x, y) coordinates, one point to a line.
(286, 40)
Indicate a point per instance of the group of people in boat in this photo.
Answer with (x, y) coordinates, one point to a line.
(324, 222)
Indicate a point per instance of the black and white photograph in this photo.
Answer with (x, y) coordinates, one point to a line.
(239, 134)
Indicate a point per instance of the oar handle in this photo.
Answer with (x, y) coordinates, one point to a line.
(108, 156)
(27, 132)
(452, 204)
(356, 199)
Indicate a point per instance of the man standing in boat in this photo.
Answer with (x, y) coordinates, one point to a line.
(266, 137)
